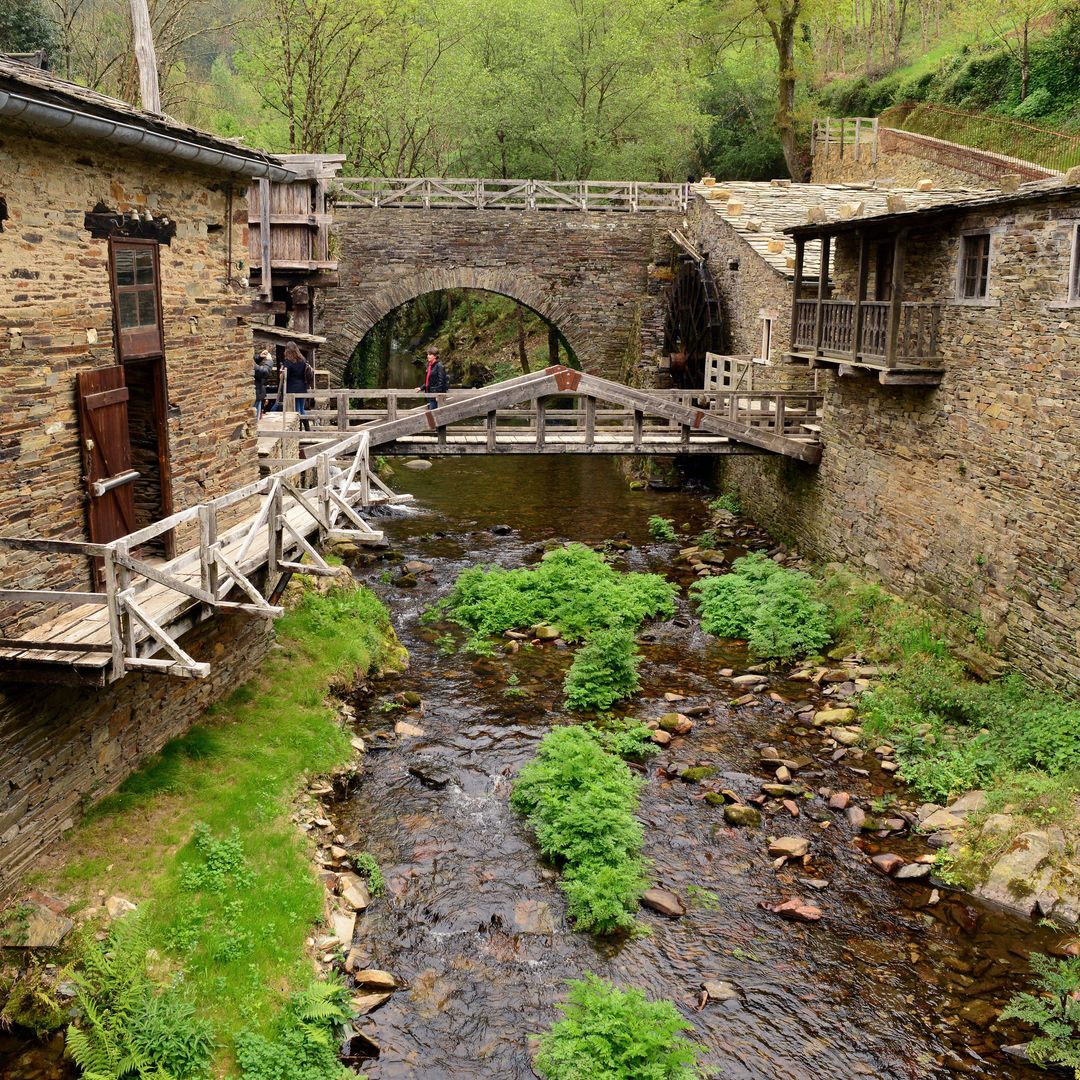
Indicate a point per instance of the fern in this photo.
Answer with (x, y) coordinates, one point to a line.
(1055, 1012)
(604, 671)
(662, 528)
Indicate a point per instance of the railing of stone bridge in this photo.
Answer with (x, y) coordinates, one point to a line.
(629, 196)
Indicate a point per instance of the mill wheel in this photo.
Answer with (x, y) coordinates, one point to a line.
(693, 325)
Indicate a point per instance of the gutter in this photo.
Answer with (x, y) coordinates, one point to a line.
(119, 133)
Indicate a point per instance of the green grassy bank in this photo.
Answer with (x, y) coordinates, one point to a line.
(201, 838)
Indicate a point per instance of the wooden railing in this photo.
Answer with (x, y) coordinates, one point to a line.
(478, 194)
(143, 600)
(917, 332)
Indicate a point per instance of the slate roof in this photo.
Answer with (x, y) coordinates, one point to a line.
(771, 209)
(48, 88)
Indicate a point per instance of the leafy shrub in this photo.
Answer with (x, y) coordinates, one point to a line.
(130, 1025)
(304, 1045)
(727, 502)
(1036, 104)
(612, 1034)
(662, 528)
(220, 863)
(580, 800)
(772, 608)
(572, 588)
(626, 738)
(1055, 1011)
(368, 869)
(604, 671)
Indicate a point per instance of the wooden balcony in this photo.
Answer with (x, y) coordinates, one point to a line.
(863, 334)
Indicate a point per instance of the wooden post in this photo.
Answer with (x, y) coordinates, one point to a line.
(274, 553)
(322, 491)
(145, 56)
(208, 568)
(858, 132)
(590, 421)
(860, 296)
(123, 583)
(116, 628)
(265, 284)
(343, 410)
(639, 425)
(684, 434)
(779, 415)
(391, 406)
(491, 419)
(800, 254)
(541, 421)
(896, 302)
(365, 473)
(842, 122)
(823, 278)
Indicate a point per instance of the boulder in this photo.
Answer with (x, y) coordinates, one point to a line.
(913, 872)
(362, 1004)
(408, 731)
(972, 802)
(831, 717)
(666, 903)
(545, 632)
(118, 907)
(789, 847)
(845, 736)
(354, 891)
(941, 821)
(375, 979)
(796, 910)
(1020, 875)
(670, 722)
(719, 990)
(888, 864)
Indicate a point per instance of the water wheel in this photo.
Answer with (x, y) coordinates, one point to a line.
(693, 325)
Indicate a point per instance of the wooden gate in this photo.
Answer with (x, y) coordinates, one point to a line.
(106, 450)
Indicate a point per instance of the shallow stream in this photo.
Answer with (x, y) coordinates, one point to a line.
(886, 985)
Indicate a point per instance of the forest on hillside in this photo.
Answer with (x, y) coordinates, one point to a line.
(564, 89)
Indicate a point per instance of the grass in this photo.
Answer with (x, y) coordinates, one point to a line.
(580, 800)
(201, 837)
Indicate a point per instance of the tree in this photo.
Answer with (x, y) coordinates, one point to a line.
(25, 27)
(1011, 22)
(781, 17)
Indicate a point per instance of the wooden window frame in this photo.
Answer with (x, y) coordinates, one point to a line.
(1074, 267)
(965, 257)
(146, 340)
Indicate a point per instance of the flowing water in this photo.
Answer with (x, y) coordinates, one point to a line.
(886, 985)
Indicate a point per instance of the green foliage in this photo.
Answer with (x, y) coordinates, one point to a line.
(662, 528)
(31, 1003)
(772, 608)
(304, 1043)
(368, 869)
(220, 863)
(604, 671)
(25, 27)
(1055, 1011)
(727, 502)
(572, 588)
(612, 1034)
(580, 800)
(130, 1025)
(625, 738)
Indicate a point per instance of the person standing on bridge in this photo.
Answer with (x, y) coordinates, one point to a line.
(264, 371)
(299, 376)
(436, 381)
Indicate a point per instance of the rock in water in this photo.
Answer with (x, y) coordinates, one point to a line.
(666, 903)
(409, 731)
(796, 910)
(790, 847)
(888, 864)
(719, 990)
(742, 815)
(375, 979)
(430, 775)
(419, 464)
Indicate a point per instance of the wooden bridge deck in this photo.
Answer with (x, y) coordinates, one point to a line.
(556, 411)
(147, 605)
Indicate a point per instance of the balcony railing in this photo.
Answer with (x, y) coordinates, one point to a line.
(834, 336)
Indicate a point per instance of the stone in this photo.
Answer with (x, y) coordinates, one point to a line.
(375, 979)
(779, 791)
(669, 722)
(913, 872)
(670, 697)
(845, 736)
(839, 801)
(344, 923)
(832, 717)
(430, 774)
(45, 926)
(1017, 878)
(418, 464)
(338, 854)
(696, 774)
(789, 847)
(545, 632)
(720, 991)
(998, 824)
(888, 864)
(118, 907)
(500, 530)
(941, 820)
(661, 738)
(409, 698)
(742, 815)
(357, 744)
(363, 1004)
(924, 184)
(533, 917)
(856, 816)
(747, 680)
(354, 891)
(408, 731)
(783, 774)
(972, 802)
(416, 566)
(664, 902)
(796, 910)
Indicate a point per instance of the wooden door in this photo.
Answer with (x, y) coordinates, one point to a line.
(106, 450)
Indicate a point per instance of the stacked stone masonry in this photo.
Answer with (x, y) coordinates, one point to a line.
(586, 272)
(968, 492)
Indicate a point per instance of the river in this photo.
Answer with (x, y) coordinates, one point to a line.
(887, 985)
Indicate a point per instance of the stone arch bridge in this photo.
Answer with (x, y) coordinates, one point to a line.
(590, 258)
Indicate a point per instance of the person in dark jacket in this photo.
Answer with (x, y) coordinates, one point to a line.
(299, 377)
(264, 371)
(436, 381)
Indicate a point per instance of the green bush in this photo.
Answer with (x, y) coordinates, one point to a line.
(572, 588)
(626, 738)
(612, 1034)
(727, 502)
(304, 1045)
(368, 869)
(772, 608)
(580, 800)
(662, 528)
(1055, 1011)
(604, 671)
(130, 1025)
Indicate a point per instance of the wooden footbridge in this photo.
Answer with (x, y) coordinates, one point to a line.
(555, 411)
(239, 550)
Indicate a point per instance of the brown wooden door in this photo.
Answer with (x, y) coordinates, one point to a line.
(106, 449)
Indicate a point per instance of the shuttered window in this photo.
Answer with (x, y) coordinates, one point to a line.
(1074, 268)
(136, 298)
(974, 266)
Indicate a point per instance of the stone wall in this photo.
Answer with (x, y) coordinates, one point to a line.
(906, 158)
(586, 272)
(56, 320)
(62, 748)
(967, 492)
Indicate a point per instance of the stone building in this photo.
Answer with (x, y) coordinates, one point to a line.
(126, 363)
(947, 345)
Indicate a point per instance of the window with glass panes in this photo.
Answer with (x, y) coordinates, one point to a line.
(974, 266)
(136, 298)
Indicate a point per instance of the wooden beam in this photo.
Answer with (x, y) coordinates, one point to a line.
(822, 285)
(145, 57)
(896, 301)
(860, 295)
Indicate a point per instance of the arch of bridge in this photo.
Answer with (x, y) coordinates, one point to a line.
(525, 288)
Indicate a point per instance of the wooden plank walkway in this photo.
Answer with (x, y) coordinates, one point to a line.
(147, 605)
